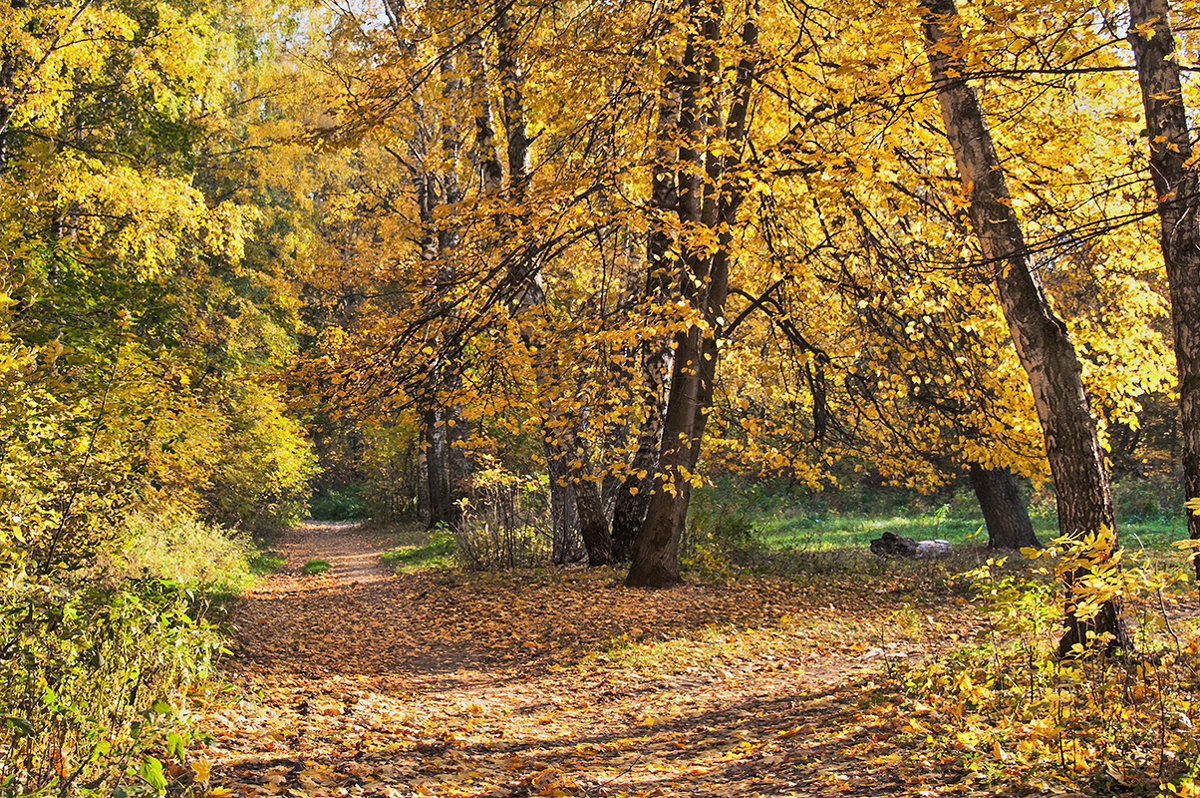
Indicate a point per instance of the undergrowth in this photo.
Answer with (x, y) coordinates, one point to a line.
(204, 557)
(1011, 714)
(415, 552)
(93, 680)
(96, 664)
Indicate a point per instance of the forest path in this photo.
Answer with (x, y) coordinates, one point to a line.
(562, 682)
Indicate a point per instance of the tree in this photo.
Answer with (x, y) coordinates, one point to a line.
(1177, 194)
(710, 193)
(1041, 339)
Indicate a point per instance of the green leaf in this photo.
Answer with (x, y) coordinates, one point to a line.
(101, 748)
(23, 726)
(177, 746)
(151, 772)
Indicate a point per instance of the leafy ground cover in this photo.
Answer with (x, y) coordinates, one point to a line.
(563, 682)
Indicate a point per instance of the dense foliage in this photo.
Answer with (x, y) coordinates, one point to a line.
(138, 338)
(533, 273)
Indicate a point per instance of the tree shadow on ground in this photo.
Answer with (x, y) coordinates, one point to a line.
(801, 743)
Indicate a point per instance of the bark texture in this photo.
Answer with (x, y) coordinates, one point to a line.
(1004, 513)
(710, 196)
(1041, 340)
(1178, 189)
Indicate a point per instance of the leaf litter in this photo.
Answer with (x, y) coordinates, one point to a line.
(562, 682)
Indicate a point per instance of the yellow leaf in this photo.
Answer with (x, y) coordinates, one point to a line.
(202, 768)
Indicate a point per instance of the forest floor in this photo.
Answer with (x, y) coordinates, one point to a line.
(564, 682)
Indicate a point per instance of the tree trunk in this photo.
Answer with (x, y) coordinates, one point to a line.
(441, 504)
(656, 553)
(563, 439)
(1007, 521)
(633, 498)
(563, 519)
(1178, 190)
(710, 194)
(1043, 346)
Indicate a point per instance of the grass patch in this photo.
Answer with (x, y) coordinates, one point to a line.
(266, 562)
(414, 549)
(779, 520)
(313, 567)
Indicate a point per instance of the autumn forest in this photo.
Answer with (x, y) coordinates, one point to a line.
(638, 397)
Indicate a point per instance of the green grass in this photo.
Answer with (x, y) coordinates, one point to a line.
(778, 520)
(201, 556)
(835, 530)
(412, 548)
(313, 567)
(266, 562)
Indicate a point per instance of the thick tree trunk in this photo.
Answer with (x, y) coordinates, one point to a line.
(633, 497)
(593, 526)
(1178, 188)
(710, 194)
(656, 553)
(1043, 346)
(1004, 513)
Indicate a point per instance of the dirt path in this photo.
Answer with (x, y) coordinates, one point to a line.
(555, 682)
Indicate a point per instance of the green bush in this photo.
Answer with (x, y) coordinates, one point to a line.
(717, 538)
(337, 504)
(261, 479)
(90, 679)
(186, 551)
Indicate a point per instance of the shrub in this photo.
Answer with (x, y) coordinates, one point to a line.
(506, 523)
(1006, 711)
(1147, 500)
(337, 504)
(718, 539)
(88, 677)
(260, 481)
(186, 551)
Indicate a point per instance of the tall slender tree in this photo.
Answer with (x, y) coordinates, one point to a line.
(1043, 345)
(1177, 191)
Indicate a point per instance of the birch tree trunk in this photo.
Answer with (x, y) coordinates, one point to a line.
(1178, 190)
(1042, 343)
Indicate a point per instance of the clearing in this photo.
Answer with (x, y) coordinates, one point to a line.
(564, 682)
